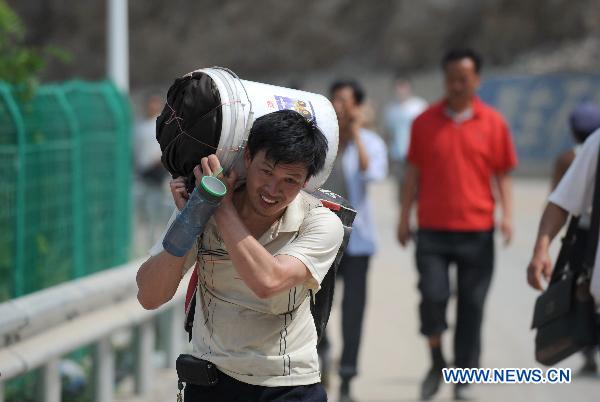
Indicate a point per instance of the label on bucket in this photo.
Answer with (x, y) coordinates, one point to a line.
(305, 108)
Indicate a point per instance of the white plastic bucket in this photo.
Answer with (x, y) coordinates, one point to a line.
(245, 101)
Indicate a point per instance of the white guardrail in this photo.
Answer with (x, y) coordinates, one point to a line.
(38, 329)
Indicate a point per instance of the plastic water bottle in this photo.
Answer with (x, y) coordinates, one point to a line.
(197, 211)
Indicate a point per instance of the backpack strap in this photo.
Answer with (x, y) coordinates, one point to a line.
(568, 242)
(190, 301)
(190, 295)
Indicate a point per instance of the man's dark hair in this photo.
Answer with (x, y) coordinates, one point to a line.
(459, 54)
(288, 137)
(402, 76)
(357, 90)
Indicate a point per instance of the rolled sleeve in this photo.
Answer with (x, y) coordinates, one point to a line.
(575, 191)
(317, 244)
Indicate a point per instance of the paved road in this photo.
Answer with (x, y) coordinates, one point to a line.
(394, 357)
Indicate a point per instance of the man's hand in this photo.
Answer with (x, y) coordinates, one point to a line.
(504, 184)
(178, 191)
(403, 232)
(357, 121)
(208, 167)
(507, 230)
(540, 265)
(553, 219)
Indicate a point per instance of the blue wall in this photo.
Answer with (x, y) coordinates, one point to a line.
(537, 109)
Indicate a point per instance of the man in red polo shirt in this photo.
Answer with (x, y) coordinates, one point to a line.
(459, 148)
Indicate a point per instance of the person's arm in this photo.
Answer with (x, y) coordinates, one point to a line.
(560, 167)
(158, 279)
(553, 219)
(355, 126)
(263, 273)
(504, 182)
(363, 156)
(573, 195)
(409, 195)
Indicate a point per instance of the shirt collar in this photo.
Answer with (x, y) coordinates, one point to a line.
(293, 216)
(471, 112)
(290, 221)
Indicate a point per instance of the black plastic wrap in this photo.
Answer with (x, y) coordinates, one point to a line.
(189, 127)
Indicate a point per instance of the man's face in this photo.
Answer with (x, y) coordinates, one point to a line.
(403, 90)
(344, 104)
(155, 106)
(271, 188)
(462, 81)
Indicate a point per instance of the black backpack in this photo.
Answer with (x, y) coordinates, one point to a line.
(321, 301)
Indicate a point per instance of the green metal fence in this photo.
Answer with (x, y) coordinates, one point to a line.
(65, 179)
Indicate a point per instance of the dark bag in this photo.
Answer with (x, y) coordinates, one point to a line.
(565, 314)
(321, 302)
(192, 370)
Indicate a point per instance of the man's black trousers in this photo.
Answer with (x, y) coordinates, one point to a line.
(353, 272)
(473, 254)
(229, 389)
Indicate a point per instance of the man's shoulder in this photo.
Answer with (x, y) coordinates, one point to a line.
(370, 136)
(588, 153)
(314, 210)
(308, 201)
(312, 205)
(417, 103)
(433, 111)
(489, 111)
(593, 141)
(145, 125)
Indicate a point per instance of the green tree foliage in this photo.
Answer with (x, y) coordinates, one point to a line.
(21, 64)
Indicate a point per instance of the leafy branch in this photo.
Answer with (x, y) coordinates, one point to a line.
(21, 64)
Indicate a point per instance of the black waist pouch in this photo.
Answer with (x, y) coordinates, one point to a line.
(192, 370)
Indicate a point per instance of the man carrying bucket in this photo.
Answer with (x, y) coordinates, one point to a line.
(267, 245)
